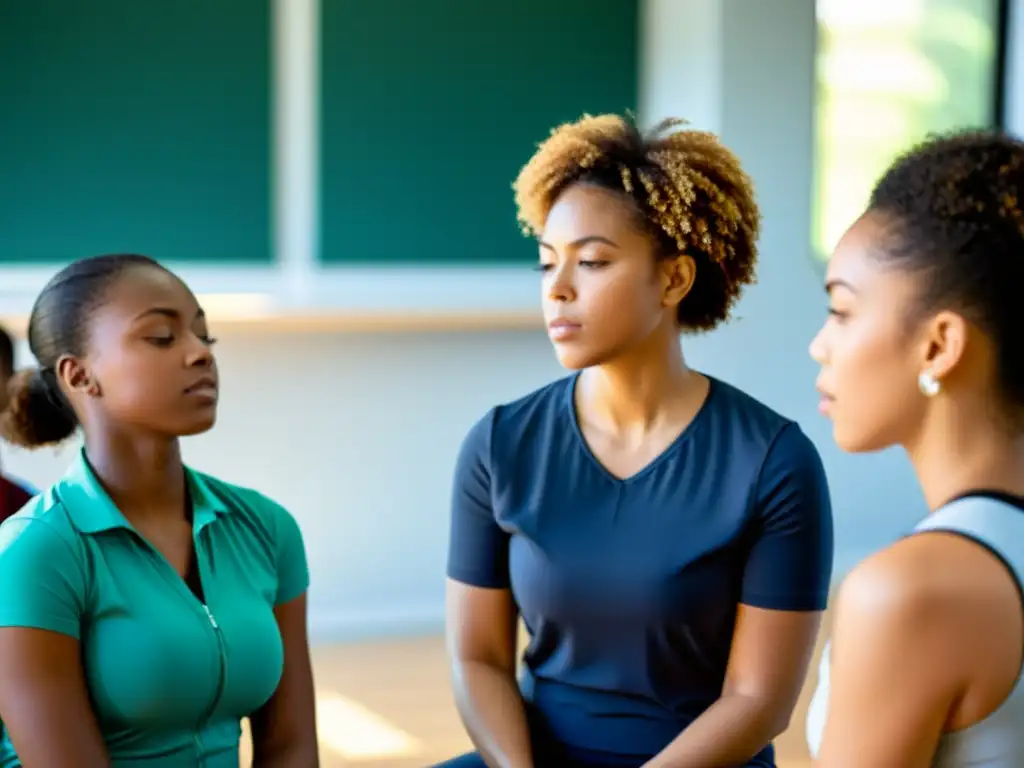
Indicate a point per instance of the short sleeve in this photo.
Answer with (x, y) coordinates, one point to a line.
(292, 565)
(42, 578)
(789, 564)
(477, 545)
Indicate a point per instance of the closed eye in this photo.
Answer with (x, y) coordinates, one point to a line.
(166, 341)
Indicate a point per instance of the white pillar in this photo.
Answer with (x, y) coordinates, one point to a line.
(296, 96)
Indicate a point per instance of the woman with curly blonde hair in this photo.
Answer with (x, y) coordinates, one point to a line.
(666, 538)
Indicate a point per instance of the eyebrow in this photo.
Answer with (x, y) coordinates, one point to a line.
(580, 242)
(834, 283)
(168, 312)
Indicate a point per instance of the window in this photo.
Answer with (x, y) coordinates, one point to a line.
(890, 72)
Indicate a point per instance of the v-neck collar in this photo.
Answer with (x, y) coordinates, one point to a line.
(683, 437)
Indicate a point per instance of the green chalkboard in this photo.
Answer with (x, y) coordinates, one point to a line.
(135, 125)
(430, 107)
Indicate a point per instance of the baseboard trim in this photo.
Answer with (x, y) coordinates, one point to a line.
(342, 626)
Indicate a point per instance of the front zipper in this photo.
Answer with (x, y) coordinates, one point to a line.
(221, 667)
(219, 691)
(209, 615)
(180, 583)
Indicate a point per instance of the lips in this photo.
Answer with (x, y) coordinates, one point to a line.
(560, 329)
(205, 386)
(825, 402)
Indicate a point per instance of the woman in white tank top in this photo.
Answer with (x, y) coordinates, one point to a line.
(924, 348)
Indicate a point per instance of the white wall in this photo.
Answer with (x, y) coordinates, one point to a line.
(357, 433)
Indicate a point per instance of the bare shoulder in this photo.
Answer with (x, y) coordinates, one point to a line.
(927, 594)
(930, 574)
(919, 647)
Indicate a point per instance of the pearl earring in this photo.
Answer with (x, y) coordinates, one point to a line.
(928, 384)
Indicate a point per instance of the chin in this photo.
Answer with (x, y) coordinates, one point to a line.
(575, 360)
(198, 427)
(858, 441)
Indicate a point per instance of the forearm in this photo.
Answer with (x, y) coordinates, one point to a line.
(299, 755)
(297, 748)
(729, 733)
(492, 711)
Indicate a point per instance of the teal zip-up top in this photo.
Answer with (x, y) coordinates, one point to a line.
(170, 675)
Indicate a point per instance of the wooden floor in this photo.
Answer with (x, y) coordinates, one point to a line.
(388, 705)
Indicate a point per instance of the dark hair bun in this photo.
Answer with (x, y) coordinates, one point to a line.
(35, 415)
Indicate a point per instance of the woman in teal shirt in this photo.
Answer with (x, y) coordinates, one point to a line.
(145, 608)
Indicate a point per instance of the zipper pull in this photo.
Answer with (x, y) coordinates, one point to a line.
(209, 615)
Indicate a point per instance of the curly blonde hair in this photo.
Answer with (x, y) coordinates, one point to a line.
(690, 190)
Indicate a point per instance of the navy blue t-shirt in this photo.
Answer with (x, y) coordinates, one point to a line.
(629, 587)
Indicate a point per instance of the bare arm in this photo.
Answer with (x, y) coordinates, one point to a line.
(481, 614)
(44, 702)
(767, 665)
(481, 640)
(893, 674)
(284, 729)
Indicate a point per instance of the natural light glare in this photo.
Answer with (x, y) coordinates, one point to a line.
(889, 73)
(897, 72)
(870, 13)
(350, 730)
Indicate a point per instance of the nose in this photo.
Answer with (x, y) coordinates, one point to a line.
(561, 286)
(199, 353)
(817, 348)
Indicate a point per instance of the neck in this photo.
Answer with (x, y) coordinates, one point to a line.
(142, 476)
(965, 447)
(636, 391)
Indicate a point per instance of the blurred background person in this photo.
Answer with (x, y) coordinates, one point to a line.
(14, 492)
